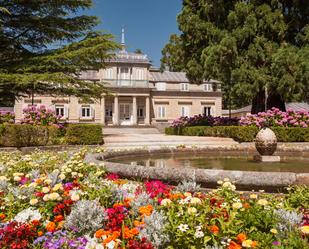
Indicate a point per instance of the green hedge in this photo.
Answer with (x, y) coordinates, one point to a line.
(84, 134)
(17, 135)
(241, 133)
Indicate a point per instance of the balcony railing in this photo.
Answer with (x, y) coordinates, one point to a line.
(126, 83)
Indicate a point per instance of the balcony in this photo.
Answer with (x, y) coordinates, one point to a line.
(126, 83)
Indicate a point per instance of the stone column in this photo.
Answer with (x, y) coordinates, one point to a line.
(103, 110)
(134, 109)
(116, 111)
(147, 114)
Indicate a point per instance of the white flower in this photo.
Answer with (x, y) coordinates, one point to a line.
(3, 178)
(93, 244)
(199, 234)
(192, 210)
(28, 215)
(220, 182)
(46, 198)
(183, 227)
(166, 202)
(195, 200)
(54, 196)
(33, 201)
(237, 205)
(262, 202)
(17, 178)
(62, 176)
(48, 181)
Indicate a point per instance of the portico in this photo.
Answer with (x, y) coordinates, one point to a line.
(125, 109)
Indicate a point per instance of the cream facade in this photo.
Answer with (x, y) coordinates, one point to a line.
(138, 95)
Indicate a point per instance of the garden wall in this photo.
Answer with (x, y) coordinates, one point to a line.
(241, 133)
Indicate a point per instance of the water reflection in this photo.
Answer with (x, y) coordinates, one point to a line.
(288, 164)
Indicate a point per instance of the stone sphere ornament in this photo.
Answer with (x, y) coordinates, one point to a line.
(266, 142)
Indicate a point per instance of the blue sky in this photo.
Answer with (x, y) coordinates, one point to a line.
(148, 23)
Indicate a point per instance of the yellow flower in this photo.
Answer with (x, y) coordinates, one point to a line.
(45, 190)
(220, 182)
(57, 187)
(247, 243)
(53, 196)
(74, 197)
(187, 194)
(17, 178)
(33, 201)
(304, 229)
(274, 231)
(253, 196)
(62, 176)
(237, 205)
(262, 202)
(192, 210)
(195, 200)
(166, 202)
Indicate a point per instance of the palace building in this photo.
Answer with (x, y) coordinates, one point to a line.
(138, 95)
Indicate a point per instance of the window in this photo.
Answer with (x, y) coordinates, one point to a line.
(60, 110)
(86, 112)
(184, 111)
(184, 87)
(207, 111)
(124, 73)
(139, 74)
(140, 112)
(161, 86)
(208, 87)
(109, 73)
(161, 111)
(108, 111)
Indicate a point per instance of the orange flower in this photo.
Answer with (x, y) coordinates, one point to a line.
(51, 226)
(130, 233)
(119, 204)
(40, 233)
(138, 223)
(254, 243)
(2, 216)
(127, 202)
(35, 222)
(146, 210)
(241, 237)
(59, 218)
(113, 236)
(246, 205)
(101, 232)
(234, 245)
(214, 229)
(60, 224)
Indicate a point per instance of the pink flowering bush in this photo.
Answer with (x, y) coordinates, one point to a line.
(276, 118)
(6, 117)
(40, 116)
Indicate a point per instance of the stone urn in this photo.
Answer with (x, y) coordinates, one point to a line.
(266, 142)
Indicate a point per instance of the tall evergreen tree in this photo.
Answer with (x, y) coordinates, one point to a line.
(172, 55)
(257, 48)
(45, 45)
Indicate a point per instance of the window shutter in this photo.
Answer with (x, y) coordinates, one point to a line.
(66, 111)
(80, 111)
(92, 113)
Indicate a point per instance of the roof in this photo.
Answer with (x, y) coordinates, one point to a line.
(129, 57)
(295, 106)
(168, 76)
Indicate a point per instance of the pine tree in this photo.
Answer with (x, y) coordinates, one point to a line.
(45, 45)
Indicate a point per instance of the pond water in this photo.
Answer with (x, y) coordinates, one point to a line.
(287, 164)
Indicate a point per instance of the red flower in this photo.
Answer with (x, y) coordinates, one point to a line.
(143, 244)
(157, 189)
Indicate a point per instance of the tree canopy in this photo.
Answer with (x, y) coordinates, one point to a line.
(45, 45)
(258, 49)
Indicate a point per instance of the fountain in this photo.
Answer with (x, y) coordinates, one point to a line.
(266, 145)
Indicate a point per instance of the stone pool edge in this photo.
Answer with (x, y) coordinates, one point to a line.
(205, 177)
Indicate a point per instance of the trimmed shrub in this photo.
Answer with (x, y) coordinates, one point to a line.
(17, 135)
(242, 133)
(84, 134)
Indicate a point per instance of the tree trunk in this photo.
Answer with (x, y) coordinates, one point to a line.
(273, 100)
(258, 102)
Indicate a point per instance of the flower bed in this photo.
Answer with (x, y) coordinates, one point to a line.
(55, 200)
(203, 120)
(7, 117)
(277, 118)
